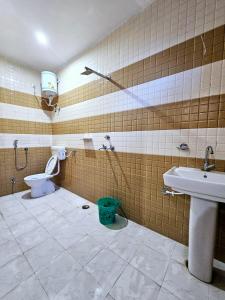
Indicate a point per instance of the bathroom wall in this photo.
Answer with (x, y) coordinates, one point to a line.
(22, 117)
(168, 86)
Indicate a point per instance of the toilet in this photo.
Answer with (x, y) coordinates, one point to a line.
(41, 184)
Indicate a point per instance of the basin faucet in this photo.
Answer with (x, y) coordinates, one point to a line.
(207, 166)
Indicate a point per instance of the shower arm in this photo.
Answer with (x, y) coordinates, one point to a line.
(101, 75)
(89, 71)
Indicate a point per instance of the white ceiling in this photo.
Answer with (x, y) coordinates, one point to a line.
(71, 27)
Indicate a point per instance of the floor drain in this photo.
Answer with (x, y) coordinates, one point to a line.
(85, 206)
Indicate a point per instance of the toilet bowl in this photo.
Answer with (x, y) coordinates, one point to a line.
(41, 184)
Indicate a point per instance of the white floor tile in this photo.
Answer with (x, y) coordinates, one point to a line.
(109, 297)
(82, 287)
(11, 208)
(28, 290)
(106, 267)
(125, 246)
(57, 274)
(47, 216)
(13, 274)
(166, 295)
(76, 257)
(5, 235)
(180, 253)
(9, 251)
(133, 284)
(39, 209)
(24, 226)
(30, 239)
(85, 249)
(41, 255)
(158, 242)
(182, 284)
(216, 293)
(17, 218)
(67, 235)
(153, 264)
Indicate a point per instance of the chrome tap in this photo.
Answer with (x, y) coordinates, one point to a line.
(103, 147)
(207, 166)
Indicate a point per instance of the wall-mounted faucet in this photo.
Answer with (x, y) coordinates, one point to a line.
(111, 147)
(103, 147)
(206, 165)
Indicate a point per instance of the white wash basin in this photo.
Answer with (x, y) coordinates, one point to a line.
(206, 190)
(197, 183)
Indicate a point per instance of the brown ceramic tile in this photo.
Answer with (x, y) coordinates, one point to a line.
(37, 159)
(207, 112)
(137, 180)
(22, 99)
(24, 127)
(179, 58)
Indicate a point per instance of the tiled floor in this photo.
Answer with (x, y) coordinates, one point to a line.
(52, 249)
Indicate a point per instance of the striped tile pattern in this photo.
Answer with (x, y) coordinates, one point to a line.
(167, 87)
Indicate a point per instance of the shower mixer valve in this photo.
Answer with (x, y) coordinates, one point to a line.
(104, 147)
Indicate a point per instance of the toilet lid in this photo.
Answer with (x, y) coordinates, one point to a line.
(51, 164)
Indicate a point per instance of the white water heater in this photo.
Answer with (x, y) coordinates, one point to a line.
(49, 85)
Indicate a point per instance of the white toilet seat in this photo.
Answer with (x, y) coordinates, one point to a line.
(51, 164)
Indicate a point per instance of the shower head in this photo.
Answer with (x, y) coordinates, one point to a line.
(89, 71)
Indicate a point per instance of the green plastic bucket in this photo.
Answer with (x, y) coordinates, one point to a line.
(107, 208)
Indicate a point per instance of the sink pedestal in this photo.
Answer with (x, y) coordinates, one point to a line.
(202, 232)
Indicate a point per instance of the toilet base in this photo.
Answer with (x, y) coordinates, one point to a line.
(47, 187)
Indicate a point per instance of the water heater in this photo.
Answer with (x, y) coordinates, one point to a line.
(49, 85)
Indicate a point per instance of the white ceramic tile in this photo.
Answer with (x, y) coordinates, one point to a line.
(13, 274)
(104, 270)
(14, 219)
(125, 246)
(67, 235)
(153, 264)
(5, 235)
(9, 251)
(133, 284)
(82, 287)
(84, 250)
(25, 140)
(166, 295)
(180, 253)
(49, 215)
(216, 293)
(29, 289)
(158, 242)
(19, 78)
(109, 297)
(152, 142)
(41, 255)
(181, 86)
(103, 235)
(24, 226)
(106, 267)
(16, 112)
(182, 284)
(30, 239)
(160, 26)
(57, 274)
(11, 208)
